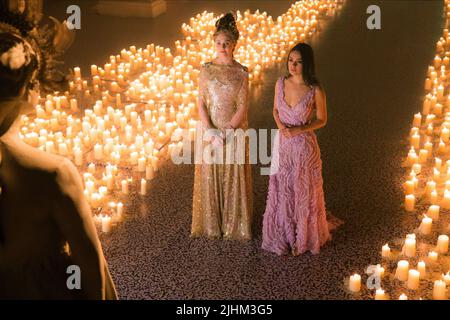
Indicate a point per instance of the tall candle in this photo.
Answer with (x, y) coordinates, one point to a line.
(106, 224)
(413, 279)
(143, 187)
(410, 247)
(421, 267)
(355, 283)
(439, 290)
(402, 270)
(433, 212)
(410, 201)
(425, 226)
(386, 251)
(442, 244)
(124, 184)
(433, 256)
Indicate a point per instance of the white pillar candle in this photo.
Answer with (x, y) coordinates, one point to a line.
(413, 279)
(430, 187)
(355, 283)
(434, 197)
(77, 72)
(143, 187)
(141, 164)
(433, 212)
(441, 147)
(442, 244)
(445, 202)
(417, 120)
(78, 157)
(120, 209)
(410, 247)
(433, 256)
(421, 267)
(380, 295)
(106, 224)
(402, 270)
(425, 226)
(426, 103)
(124, 184)
(98, 152)
(134, 158)
(63, 150)
(437, 109)
(149, 173)
(409, 187)
(403, 297)
(439, 290)
(415, 141)
(410, 201)
(386, 251)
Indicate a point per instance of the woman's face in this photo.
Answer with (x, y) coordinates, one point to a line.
(295, 63)
(224, 45)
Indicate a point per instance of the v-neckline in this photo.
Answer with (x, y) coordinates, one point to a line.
(284, 95)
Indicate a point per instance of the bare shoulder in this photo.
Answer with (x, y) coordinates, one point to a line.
(54, 171)
(319, 91)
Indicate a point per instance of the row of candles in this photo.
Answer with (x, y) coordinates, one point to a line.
(429, 136)
(116, 123)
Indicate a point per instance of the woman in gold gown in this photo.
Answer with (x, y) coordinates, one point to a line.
(223, 196)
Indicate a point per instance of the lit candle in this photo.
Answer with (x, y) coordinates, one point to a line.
(433, 212)
(439, 290)
(125, 186)
(355, 283)
(77, 72)
(98, 152)
(380, 295)
(106, 224)
(425, 226)
(445, 202)
(410, 202)
(403, 297)
(409, 187)
(413, 279)
(143, 187)
(410, 247)
(402, 270)
(78, 157)
(141, 164)
(442, 244)
(433, 256)
(386, 251)
(421, 267)
(120, 210)
(149, 173)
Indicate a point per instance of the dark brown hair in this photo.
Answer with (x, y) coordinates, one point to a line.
(308, 67)
(228, 25)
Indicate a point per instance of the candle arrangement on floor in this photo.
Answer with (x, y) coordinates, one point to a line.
(116, 123)
(420, 268)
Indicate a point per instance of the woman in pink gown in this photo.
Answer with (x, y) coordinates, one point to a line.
(295, 218)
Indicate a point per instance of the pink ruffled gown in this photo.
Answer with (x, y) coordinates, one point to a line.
(295, 217)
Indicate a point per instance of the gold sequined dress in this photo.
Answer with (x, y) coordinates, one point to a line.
(223, 196)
